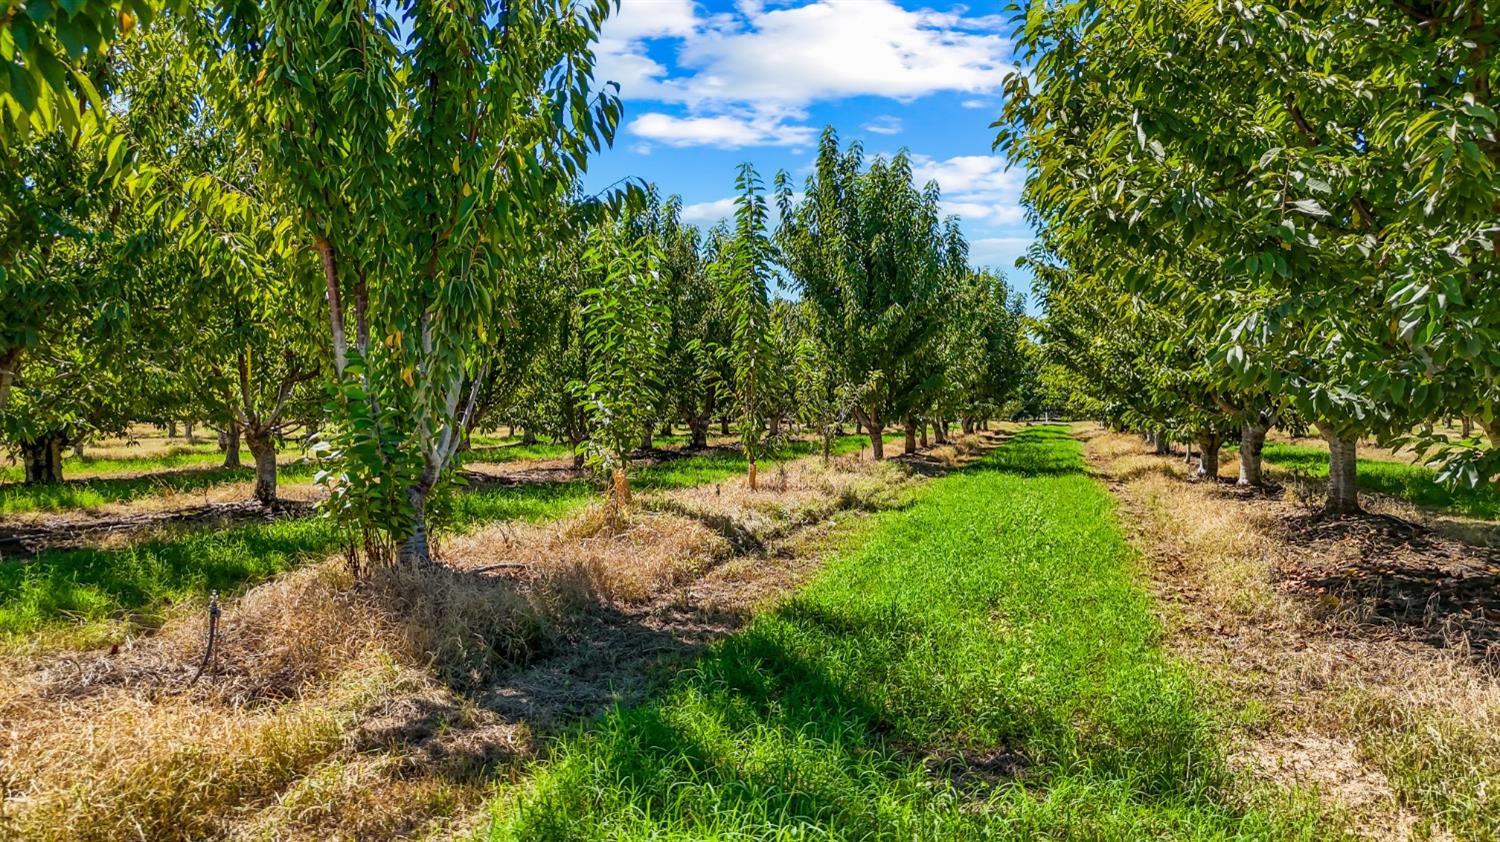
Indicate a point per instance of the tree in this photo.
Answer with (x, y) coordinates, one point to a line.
(866, 248)
(68, 287)
(252, 357)
(623, 320)
(743, 265)
(821, 401)
(698, 329)
(415, 157)
(1239, 178)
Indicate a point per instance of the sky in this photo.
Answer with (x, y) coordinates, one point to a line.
(709, 84)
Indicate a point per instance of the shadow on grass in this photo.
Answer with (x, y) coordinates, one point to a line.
(59, 587)
(947, 634)
(90, 584)
(17, 498)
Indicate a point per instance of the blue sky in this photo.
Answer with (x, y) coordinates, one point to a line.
(712, 83)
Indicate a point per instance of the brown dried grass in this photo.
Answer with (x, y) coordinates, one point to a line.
(1400, 739)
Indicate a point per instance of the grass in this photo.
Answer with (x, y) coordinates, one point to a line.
(996, 618)
(97, 492)
(117, 480)
(1425, 720)
(1415, 484)
(82, 593)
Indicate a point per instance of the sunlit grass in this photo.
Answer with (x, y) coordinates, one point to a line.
(90, 586)
(1415, 484)
(16, 498)
(996, 617)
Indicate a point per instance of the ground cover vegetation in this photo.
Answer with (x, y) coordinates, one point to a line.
(370, 478)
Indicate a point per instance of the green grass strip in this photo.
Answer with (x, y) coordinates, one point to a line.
(998, 615)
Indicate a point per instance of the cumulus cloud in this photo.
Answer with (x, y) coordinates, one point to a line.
(708, 213)
(884, 124)
(978, 188)
(777, 61)
(722, 131)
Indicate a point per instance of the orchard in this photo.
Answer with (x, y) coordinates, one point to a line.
(397, 445)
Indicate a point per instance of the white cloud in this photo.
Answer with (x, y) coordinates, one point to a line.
(778, 61)
(975, 103)
(884, 124)
(1000, 252)
(708, 213)
(978, 188)
(723, 131)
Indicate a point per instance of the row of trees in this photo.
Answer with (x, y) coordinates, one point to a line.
(1254, 215)
(364, 220)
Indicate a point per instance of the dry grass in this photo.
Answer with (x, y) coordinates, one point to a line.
(125, 745)
(1399, 736)
(338, 709)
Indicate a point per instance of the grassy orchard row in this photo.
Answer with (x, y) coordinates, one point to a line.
(458, 277)
(1289, 223)
(995, 624)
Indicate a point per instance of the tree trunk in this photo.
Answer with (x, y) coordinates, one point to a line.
(263, 449)
(922, 427)
(968, 425)
(1343, 486)
(1252, 442)
(43, 458)
(171, 429)
(77, 450)
(1468, 430)
(775, 426)
(232, 445)
(940, 430)
(910, 426)
(647, 442)
(1492, 430)
(10, 363)
(666, 428)
(187, 432)
(1208, 456)
(827, 445)
(416, 551)
(724, 426)
(698, 427)
(619, 493)
(751, 476)
(877, 436)
(528, 436)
